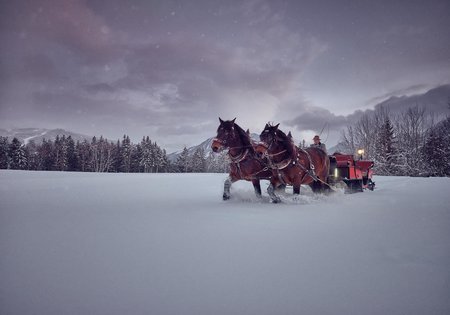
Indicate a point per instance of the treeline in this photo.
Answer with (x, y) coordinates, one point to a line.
(98, 155)
(198, 163)
(411, 143)
(101, 155)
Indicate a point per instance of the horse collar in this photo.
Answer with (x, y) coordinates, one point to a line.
(239, 158)
(283, 164)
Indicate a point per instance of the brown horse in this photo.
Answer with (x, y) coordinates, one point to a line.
(291, 165)
(245, 162)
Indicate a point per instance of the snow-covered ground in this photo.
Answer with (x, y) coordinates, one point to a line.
(85, 243)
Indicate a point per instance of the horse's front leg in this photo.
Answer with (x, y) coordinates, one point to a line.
(257, 187)
(227, 187)
(271, 191)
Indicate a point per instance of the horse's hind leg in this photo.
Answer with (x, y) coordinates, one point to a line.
(281, 188)
(257, 187)
(316, 186)
(226, 188)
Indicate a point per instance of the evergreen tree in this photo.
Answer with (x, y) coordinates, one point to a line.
(46, 158)
(146, 159)
(198, 161)
(17, 154)
(136, 154)
(445, 131)
(385, 153)
(165, 164)
(158, 158)
(182, 163)
(218, 163)
(4, 157)
(433, 151)
(60, 149)
(83, 152)
(72, 158)
(117, 157)
(126, 154)
(32, 150)
(436, 150)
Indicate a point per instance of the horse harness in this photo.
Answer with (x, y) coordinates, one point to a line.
(237, 162)
(285, 163)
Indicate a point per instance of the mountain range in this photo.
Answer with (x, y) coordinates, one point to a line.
(25, 135)
(436, 101)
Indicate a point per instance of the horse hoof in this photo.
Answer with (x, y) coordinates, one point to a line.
(225, 197)
(278, 200)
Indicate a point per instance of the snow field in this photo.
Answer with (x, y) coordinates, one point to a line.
(89, 243)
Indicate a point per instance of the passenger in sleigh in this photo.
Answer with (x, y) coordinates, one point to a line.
(318, 144)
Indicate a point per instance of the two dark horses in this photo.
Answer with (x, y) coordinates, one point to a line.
(276, 159)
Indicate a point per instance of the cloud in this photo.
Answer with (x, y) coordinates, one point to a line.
(413, 89)
(315, 118)
(311, 118)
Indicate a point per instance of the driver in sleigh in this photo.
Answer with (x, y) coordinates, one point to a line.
(318, 144)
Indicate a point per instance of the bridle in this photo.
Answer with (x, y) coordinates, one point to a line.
(274, 139)
(224, 143)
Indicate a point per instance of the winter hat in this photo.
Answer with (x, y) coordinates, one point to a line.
(316, 138)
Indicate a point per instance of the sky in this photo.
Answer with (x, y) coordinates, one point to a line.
(169, 69)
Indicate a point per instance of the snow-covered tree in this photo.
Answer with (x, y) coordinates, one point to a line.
(4, 157)
(385, 153)
(60, 151)
(72, 158)
(182, 163)
(126, 154)
(165, 164)
(83, 152)
(198, 161)
(146, 159)
(117, 158)
(17, 155)
(101, 155)
(34, 159)
(436, 150)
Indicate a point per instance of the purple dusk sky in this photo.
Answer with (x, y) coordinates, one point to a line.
(168, 69)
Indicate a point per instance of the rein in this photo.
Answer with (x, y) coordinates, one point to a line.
(285, 163)
(280, 165)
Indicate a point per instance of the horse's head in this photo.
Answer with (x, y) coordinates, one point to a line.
(269, 134)
(226, 134)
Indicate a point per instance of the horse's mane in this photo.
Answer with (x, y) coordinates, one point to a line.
(288, 141)
(243, 135)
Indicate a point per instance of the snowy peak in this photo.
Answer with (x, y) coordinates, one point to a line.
(435, 100)
(25, 135)
(205, 145)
